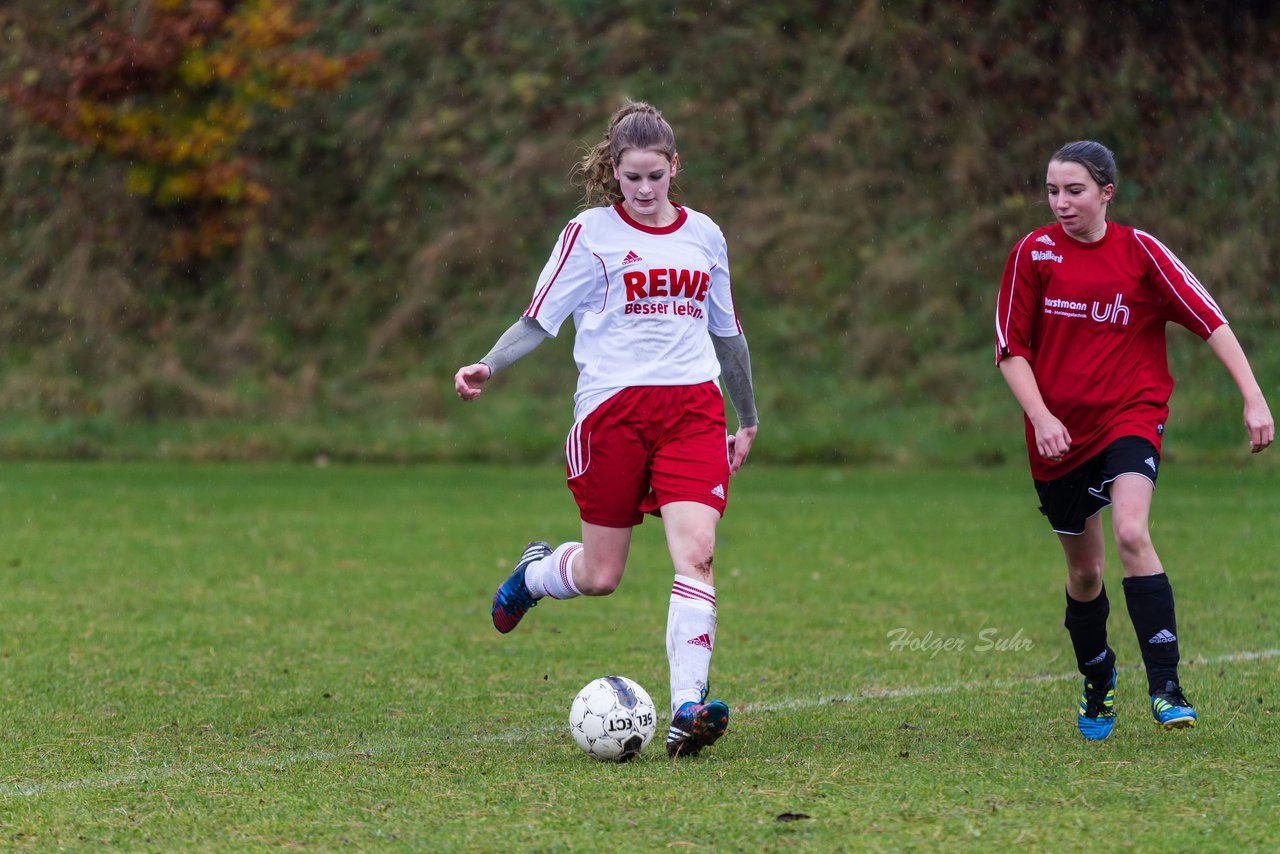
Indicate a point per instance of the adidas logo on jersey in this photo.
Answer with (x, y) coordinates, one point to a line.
(1151, 461)
(718, 492)
(1163, 636)
(631, 259)
(1046, 240)
(703, 640)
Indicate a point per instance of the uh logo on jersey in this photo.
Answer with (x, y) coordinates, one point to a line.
(1114, 312)
(653, 291)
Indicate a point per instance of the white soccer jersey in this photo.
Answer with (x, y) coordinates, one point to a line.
(642, 298)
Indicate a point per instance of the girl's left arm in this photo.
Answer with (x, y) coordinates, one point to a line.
(1257, 416)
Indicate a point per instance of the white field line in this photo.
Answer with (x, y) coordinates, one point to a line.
(955, 687)
(365, 750)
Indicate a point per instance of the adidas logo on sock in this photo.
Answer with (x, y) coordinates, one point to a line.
(703, 640)
(1163, 636)
(718, 492)
(631, 259)
(1097, 659)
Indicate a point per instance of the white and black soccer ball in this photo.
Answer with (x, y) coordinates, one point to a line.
(612, 719)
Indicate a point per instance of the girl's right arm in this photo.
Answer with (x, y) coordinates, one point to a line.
(518, 341)
(1052, 439)
(1019, 293)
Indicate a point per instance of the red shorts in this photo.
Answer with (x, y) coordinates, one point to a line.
(648, 446)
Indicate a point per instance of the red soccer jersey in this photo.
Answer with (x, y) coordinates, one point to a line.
(1090, 319)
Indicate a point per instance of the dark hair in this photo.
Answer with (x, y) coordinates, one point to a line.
(1093, 156)
(637, 125)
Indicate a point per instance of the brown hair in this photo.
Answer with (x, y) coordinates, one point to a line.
(637, 125)
(1095, 157)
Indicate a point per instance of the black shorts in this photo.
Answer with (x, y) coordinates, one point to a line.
(1070, 500)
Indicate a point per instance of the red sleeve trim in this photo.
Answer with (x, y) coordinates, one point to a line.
(567, 239)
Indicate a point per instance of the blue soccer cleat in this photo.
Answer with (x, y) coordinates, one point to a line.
(513, 599)
(1097, 714)
(695, 726)
(1171, 709)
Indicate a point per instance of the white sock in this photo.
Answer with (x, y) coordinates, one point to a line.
(691, 634)
(553, 576)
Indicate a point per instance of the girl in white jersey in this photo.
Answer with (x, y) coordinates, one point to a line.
(647, 284)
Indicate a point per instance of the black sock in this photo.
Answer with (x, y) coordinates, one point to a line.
(1086, 622)
(1150, 601)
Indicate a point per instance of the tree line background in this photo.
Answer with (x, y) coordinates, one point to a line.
(237, 228)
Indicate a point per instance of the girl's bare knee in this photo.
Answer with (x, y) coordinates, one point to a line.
(599, 581)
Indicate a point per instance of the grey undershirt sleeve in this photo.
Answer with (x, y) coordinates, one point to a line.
(735, 368)
(518, 341)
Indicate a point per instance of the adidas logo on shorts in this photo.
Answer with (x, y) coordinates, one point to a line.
(718, 492)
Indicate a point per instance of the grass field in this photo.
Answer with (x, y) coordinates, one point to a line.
(263, 657)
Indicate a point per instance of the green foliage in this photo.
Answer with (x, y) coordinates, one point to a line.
(871, 168)
(269, 657)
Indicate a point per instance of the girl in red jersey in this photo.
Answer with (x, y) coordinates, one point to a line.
(1080, 340)
(647, 284)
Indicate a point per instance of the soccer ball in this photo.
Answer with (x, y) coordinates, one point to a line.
(612, 719)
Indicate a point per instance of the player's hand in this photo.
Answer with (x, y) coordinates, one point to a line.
(740, 446)
(1052, 439)
(469, 381)
(1261, 427)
